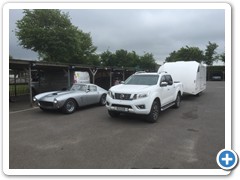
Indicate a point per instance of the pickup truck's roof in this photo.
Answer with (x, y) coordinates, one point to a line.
(152, 73)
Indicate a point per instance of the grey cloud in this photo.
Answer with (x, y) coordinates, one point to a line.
(155, 31)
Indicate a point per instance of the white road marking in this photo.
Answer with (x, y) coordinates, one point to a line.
(13, 112)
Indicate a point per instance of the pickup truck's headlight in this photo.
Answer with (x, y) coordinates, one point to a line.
(139, 96)
(142, 95)
(110, 94)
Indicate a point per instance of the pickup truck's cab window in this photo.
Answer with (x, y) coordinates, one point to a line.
(163, 79)
(169, 80)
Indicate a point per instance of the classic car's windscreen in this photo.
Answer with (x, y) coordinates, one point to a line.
(79, 87)
(142, 80)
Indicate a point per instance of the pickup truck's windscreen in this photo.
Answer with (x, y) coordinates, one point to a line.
(142, 80)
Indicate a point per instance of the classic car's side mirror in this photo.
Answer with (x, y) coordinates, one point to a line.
(122, 82)
(87, 90)
(163, 84)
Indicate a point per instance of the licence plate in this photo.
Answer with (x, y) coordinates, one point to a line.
(122, 109)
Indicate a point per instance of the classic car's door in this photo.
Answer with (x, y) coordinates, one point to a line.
(91, 96)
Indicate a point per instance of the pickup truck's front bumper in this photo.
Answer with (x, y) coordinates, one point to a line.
(137, 106)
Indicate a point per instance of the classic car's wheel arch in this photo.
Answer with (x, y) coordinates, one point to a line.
(77, 105)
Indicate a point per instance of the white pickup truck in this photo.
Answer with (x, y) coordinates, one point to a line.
(144, 93)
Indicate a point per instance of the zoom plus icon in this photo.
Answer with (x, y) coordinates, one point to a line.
(227, 159)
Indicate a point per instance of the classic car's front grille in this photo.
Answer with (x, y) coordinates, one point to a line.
(122, 96)
(45, 104)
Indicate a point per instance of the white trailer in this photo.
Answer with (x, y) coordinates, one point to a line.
(190, 73)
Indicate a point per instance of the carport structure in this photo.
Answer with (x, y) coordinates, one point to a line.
(25, 76)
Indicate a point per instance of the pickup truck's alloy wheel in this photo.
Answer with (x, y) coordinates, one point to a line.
(177, 101)
(69, 106)
(154, 113)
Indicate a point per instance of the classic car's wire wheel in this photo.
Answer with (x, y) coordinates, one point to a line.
(103, 99)
(69, 106)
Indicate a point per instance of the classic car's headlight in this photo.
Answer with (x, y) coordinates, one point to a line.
(55, 101)
(110, 94)
(34, 99)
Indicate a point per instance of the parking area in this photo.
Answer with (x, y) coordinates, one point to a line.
(186, 138)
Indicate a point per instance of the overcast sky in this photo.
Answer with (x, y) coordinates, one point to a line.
(153, 31)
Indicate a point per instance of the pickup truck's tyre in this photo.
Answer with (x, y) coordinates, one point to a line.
(69, 106)
(177, 101)
(113, 114)
(154, 113)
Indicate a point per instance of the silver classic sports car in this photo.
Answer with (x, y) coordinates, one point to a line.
(68, 101)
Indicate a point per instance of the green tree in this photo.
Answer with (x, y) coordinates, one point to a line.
(195, 54)
(123, 58)
(186, 54)
(210, 53)
(172, 57)
(133, 59)
(107, 58)
(222, 57)
(147, 62)
(51, 33)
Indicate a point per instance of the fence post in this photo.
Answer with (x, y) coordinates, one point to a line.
(30, 83)
(69, 78)
(94, 72)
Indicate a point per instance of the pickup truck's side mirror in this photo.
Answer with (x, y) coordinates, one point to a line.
(163, 84)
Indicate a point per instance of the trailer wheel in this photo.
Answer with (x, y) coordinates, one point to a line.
(154, 113)
(177, 101)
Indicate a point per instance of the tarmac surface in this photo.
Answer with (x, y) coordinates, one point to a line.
(186, 138)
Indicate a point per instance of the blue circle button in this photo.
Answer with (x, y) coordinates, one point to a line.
(227, 159)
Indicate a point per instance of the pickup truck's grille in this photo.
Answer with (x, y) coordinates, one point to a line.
(122, 96)
(120, 105)
(45, 104)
